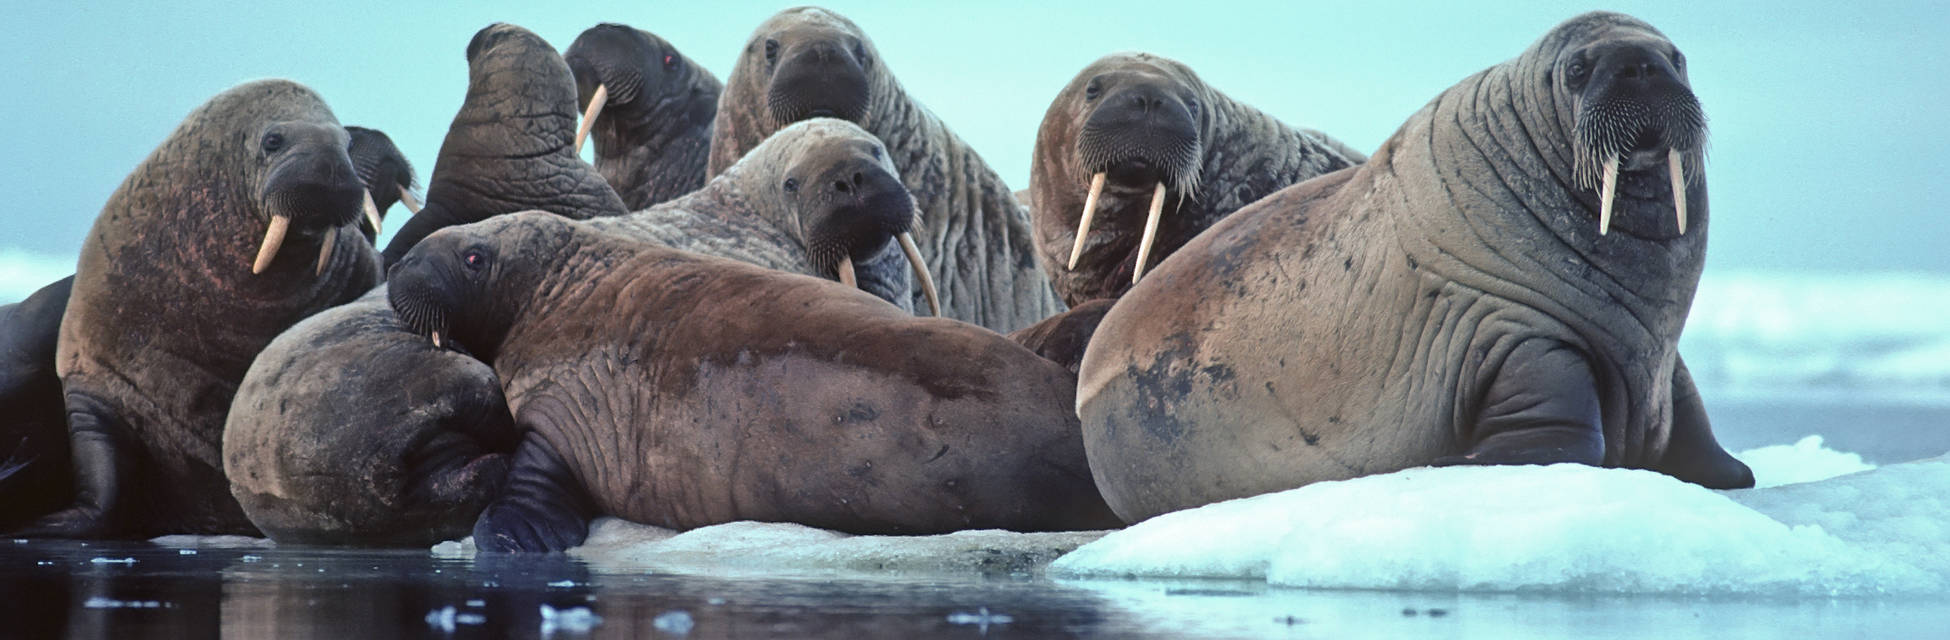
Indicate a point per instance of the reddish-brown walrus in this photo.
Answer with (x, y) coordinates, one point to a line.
(681, 390)
(1504, 282)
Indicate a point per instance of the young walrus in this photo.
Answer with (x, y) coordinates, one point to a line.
(1504, 282)
(681, 390)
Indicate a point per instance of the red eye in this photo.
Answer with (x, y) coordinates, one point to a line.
(669, 59)
(473, 258)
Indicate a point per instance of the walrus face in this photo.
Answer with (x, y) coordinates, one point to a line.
(817, 65)
(1140, 136)
(308, 186)
(432, 286)
(386, 174)
(1634, 111)
(851, 205)
(626, 69)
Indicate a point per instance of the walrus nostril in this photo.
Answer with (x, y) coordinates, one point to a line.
(842, 186)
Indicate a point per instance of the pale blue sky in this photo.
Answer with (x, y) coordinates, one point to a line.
(1829, 150)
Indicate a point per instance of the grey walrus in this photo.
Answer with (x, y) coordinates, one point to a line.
(385, 172)
(809, 62)
(1504, 282)
(240, 224)
(1143, 155)
(648, 110)
(682, 390)
(511, 146)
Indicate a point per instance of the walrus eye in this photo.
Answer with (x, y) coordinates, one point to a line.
(475, 259)
(860, 53)
(771, 50)
(876, 153)
(1678, 61)
(273, 141)
(1191, 105)
(669, 61)
(791, 185)
(1092, 91)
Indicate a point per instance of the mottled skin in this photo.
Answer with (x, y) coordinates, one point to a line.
(812, 192)
(1451, 301)
(682, 390)
(1145, 119)
(511, 147)
(653, 137)
(166, 315)
(382, 168)
(809, 62)
(35, 476)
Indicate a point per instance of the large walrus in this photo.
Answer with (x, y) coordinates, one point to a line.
(683, 390)
(1142, 155)
(649, 110)
(240, 224)
(1504, 282)
(511, 146)
(809, 62)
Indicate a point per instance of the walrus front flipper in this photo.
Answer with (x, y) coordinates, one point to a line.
(96, 439)
(1541, 409)
(543, 509)
(1692, 453)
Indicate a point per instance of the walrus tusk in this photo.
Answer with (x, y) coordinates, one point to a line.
(589, 116)
(273, 238)
(920, 271)
(1089, 211)
(436, 340)
(1605, 192)
(1150, 231)
(325, 250)
(407, 198)
(1674, 166)
(372, 214)
(846, 272)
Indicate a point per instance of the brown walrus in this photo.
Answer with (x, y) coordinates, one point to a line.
(511, 146)
(1142, 155)
(809, 62)
(683, 390)
(649, 109)
(1504, 282)
(241, 223)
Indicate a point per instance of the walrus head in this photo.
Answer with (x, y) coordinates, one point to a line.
(1633, 113)
(851, 207)
(445, 287)
(386, 174)
(814, 63)
(1138, 126)
(637, 76)
(307, 186)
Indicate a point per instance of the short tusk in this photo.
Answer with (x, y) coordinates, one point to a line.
(589, 115)
(1675, 165)
(1089, 211)
(273, 238)
(1605, 193)
(920, 271)
(372, 214)
(436, 340)
(846, 272)
(1150, 231)
(325, 250)
(411, 201)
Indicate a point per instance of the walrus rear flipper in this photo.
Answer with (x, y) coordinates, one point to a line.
(97, 440)
(1541, 409)
(543, 509)
(1692, 453)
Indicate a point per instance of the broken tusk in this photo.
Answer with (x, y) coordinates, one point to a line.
(1675, 166)
(920, 271)
(1605, 193)
(372, 214)
(325, 250)
(407, 198)
(273, 238)
(589, 115)
(1089, 211)
(1150, 231)
(846, 272)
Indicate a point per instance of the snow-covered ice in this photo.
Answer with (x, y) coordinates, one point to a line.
(1804, 461)
(761, 548)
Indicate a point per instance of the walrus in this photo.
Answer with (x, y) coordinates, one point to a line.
(387, 175)
(809, 62)
(649, 109)
(1503, 282)
(1137, 155)
(241, 223)
(682, 390)
(511, 146)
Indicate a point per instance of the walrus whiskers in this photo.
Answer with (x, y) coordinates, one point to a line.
(411, 201)
(589, 116)
(1676, 168)
(846, 272)
(921, 271)
(1606, 190)
(273, 238)
(372, 213)
(1150, 231)
(325, 250)
(1089, 211)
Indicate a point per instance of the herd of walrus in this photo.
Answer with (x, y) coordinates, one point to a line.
(796, 295)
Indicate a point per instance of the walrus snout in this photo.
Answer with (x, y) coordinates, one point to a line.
(387, 176)
(1141, 132)
(1635, 108)
(425, 291)
(618, 57)
(311, 188)
(822, 77)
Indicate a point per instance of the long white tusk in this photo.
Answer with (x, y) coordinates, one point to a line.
(1605, 193)
(846, 272)
(589, 115)
(325, 250)
(1678, 170)
(372, 214)
(436, 339)
(1150, 231)
(1089, 211)
(407, 198)
(273, 238)
(920, 271)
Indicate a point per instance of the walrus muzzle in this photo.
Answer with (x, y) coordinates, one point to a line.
(610, 63)
(818, 79)
(424, 292)
(859, 207)
(1141, 134)
(317, 192)
(1634, 112)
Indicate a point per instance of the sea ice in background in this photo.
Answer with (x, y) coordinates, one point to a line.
(1804, 461)
(24, 272)
(1561, 528)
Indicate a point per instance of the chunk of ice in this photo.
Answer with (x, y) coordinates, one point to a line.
(572, 620)
(677, 622)
(769, 548)
(1804, 461)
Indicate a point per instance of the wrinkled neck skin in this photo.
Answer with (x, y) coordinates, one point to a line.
(656, 152)
(1514, 225)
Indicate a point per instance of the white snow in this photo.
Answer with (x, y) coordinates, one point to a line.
(763, 548)
(1804, 461)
